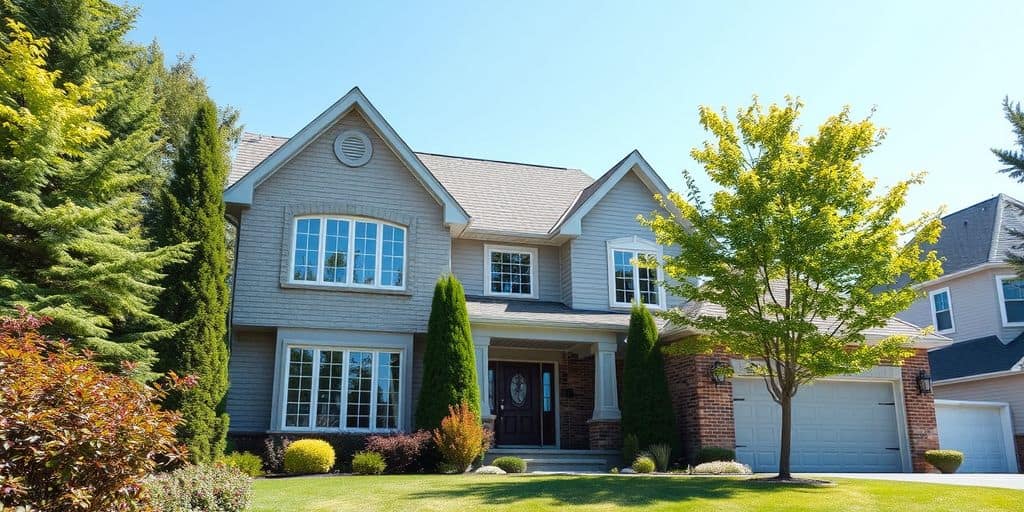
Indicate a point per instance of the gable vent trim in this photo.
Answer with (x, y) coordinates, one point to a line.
(353, 148)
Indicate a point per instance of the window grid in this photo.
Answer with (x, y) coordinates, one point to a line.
(300, 385)
(330, 388)
(392, 256)
(511, 273)
(349, 252)
(1013, 300)
(943, 313)
(365, 266)
(388, 373)
(360, 376)
(336, 251)
(547, 391)
(307, 248)
(623, 277)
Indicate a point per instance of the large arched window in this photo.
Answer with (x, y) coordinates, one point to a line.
(348, 251)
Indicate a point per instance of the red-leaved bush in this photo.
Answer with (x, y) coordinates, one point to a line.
(461, 439)
(72, 436)
(401, 451)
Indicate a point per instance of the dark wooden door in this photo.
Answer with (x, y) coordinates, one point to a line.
(518, 403)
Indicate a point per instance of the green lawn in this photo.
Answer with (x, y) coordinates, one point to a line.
(579, 493)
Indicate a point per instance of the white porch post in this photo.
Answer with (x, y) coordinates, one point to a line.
(606, 397)
(481, 345)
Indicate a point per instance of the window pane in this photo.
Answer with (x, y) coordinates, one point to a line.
(336, 251)
(388, 372)
(364, 267)
(328, 396)
(510, 273)
(307, 244)
(392, 256)
(647, 279)
(547, 391)
(1015, 311)
(1013, 289)
(941, 301)
(360, 369)
(300, 385)
(624, 292)
(943, 320)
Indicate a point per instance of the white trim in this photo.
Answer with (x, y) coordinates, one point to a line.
(241, 192)
(1002, 299)
(949, 303)
(349, 253)
(635, 245)
(1005, 419)
(961, 273)
(534, 261)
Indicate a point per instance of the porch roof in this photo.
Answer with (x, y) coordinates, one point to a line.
(542, 314)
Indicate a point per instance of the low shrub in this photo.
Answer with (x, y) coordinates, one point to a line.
(662, 454)
(246, 462)
(308, 456)
(630, 447)
(946, 461)
(201, 488)
(368, 463)
(643, 464)
(402, 452)
(272, 448)
(715, 453)
(510, 464)
(461, 439)
(721, 467)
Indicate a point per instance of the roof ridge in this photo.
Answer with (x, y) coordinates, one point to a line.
(997, 226)
(509, 162)
(965, 208)
(261, 135)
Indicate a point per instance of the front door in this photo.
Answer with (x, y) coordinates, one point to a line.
(517, 396)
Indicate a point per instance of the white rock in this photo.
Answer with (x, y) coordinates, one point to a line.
(489, 470)
(626, 471)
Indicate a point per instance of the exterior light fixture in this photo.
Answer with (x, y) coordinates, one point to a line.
(924, 383)
(719, 371)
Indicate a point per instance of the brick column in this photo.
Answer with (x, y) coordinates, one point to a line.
(704, 414)
(1019, 441)
(921, 426)
(605, 435)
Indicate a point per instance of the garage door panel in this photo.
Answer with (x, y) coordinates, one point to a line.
(837, 426)
(977, 431)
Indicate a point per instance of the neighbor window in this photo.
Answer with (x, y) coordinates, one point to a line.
(348, 251)
(942, 311)
(1011, 294)
(628, 279)
(343, 389)
(510, 271)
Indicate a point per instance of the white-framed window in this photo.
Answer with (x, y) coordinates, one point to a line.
(346, 389)
(510, 271)
(1011, 300)
(628, 280)
(942, 310)
(348, 251)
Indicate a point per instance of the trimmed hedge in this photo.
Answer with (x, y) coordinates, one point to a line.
(946, 461)
(643, 464)
(271, 447)
(510, 464)
(403, 453)
(308, 456)
(368, 463)
(715, 453)
(721, 468)
(248, 463)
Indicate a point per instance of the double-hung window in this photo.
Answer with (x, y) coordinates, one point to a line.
(344, 389)
(348, 251)
(1011, 298)
(510, 271)
(942, 310)
(629, 280)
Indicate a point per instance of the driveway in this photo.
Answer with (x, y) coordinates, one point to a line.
(1005, 481)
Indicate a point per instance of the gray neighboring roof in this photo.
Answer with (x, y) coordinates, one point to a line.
(975, 357)
(979, 233)
(542, 314)
(252, 149)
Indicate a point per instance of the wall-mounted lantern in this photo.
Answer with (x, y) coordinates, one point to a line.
(719, 372)
(924, 382)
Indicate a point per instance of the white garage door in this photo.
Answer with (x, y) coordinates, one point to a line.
(837, 427)
(978, 430)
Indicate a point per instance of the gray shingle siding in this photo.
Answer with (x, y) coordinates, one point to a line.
(252, 384)
(315, 180)
(468, 266)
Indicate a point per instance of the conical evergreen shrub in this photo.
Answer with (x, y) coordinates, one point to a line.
(646, 405)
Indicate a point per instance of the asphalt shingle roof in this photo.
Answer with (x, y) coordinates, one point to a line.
(252, 149)
(979, 233)
(974, 357)
(551, 314)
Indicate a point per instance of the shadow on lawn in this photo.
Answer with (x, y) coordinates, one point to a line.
(621, 491)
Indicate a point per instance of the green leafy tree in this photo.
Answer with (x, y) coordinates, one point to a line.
(71, 244)
(796, 237)
(646, 404)
(1013, 160)
(449, 364)
(195, 296)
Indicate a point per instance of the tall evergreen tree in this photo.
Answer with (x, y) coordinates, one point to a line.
(1013, 160)
(449, 365)
(646, 405)
(195, 295)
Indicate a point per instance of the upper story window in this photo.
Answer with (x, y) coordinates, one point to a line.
(628, 279)
(942, 310)
(510, 271)
(1011, 297)
(348, 251)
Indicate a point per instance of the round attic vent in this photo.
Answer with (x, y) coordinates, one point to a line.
(353, 148)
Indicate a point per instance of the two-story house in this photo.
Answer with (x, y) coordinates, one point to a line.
(343, 231)
(979, 303)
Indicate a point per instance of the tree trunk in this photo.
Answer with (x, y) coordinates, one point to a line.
(787, 437)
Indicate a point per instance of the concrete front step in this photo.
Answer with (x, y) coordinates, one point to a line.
(549, 459)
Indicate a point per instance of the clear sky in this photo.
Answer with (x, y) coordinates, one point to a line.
(580, 84)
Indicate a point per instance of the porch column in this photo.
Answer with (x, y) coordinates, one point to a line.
(481, 346)
(606, 396)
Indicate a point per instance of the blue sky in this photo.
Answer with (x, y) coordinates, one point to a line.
(580, 84)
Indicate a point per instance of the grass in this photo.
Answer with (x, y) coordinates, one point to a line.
(610, 493)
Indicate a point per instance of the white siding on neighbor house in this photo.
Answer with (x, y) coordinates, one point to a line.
(1008, 389)
(976, 308)
(468, 266)
(613, 217)
(316, 182)
(251, 368)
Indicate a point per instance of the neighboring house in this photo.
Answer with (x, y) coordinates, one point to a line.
(343, 231)
(979, 304)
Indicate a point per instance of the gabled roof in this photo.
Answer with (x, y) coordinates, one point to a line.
(252, 149)
(976, 357)
(979, 234)
(241, 191)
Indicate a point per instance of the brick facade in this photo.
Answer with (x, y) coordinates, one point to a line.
(1019, 440)
(703, 410)
(921, 425)
(576, 400)
(605, 435)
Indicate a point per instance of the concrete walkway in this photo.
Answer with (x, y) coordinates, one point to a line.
(1005, 481)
